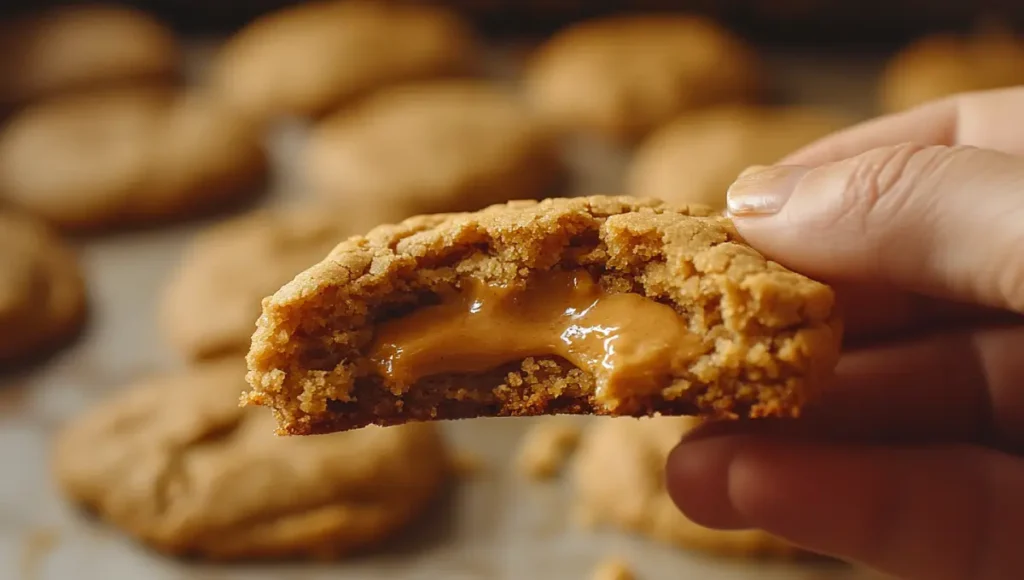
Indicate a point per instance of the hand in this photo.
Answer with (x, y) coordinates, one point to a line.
(912, 461)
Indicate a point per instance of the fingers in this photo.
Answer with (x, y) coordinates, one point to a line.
(932, 513)
(942, 221)
(983, 120)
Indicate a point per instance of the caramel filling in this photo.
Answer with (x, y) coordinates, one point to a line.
(632, 345)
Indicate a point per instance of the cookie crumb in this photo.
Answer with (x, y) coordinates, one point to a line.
(613, 569)
(546, 447)
(37, 546)
(466, 465)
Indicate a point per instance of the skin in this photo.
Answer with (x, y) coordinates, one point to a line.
(913, 462)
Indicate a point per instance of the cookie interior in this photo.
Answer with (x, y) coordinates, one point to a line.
(768, 334)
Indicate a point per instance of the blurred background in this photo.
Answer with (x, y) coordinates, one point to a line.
(166, 164)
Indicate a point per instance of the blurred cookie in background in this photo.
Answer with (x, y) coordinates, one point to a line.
(175, 462)
(941, 65)
(619, 482)
(696, 157)
(305, 60)
(623, 76)
(433, 147)
(127, 158)
(80, 47)
(213, 299)
(42, 292)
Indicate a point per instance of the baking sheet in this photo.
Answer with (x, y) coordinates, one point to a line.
(493, 525)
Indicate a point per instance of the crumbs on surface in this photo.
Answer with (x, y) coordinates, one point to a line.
(613, 569)
(466, 465)
(546, 447)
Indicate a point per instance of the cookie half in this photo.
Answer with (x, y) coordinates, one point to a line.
(72, 48)
(306, 60)
(175, 462)
(42, 291)
(212, 299)
(696, 157)
(430, 148)
(604, 305)
(624, 76)
(942, 65)
(128, 158)
(619, 481)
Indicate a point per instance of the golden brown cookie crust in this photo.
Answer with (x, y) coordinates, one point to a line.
(128, 158)
(770, 337)
(73, 48)
(287, 62)
(42, 290)
(178, 464)
(696, 157)
(942, 65)
(432, 147)
(619, 481)
(210, 304)
(624, 76)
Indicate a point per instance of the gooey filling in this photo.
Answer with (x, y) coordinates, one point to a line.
(631, 344)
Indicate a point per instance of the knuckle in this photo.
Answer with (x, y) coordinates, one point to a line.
(889, 185)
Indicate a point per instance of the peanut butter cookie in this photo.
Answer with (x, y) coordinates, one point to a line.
(619, 481)
(213, 298)
(127, 158)
(429, 148)
(307, 59)
(624, 76)
(83, 47)
(42, 293)
(695, 158)
(942, 65)
(605, 305)
(178, 464)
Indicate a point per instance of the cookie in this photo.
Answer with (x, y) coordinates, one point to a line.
(306, 60)
(42, 292)
(128, 158)
(428, 148)
(603, 305)
(619, 482)
(72, 48)
(941, 65)
(695, 158)
(624, 76)
(176, 463)
(212, 299)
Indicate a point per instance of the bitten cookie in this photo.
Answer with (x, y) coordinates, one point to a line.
(428, 148)
(178, 464)
(210, 305)
(695, 158)
(942, 65)
(127, 158)
(42, 293)
(619, 481)
(307, 59)
(604, 305)
(624, 76)
(83, 47)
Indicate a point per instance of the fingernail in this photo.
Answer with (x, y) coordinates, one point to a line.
(761, 190)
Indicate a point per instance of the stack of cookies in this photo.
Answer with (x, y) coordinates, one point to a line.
(441, 242)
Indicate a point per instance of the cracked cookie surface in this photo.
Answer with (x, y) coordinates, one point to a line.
(178, 464)
(42, 290)
(768, 337)
(619, 481)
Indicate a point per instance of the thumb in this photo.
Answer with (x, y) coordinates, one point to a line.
(943, 221)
